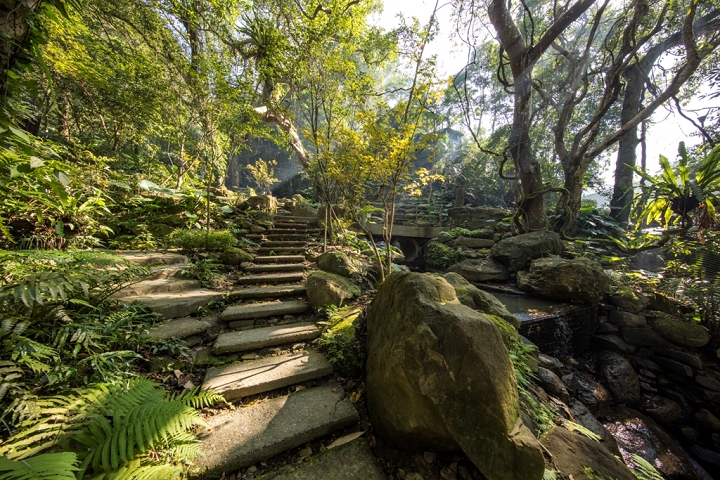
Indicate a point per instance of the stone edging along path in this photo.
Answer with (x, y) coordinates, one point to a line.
(270, 310)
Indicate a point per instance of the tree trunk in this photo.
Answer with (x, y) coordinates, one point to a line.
(14, 26)
(627, 147)
(459, 197)
(532, 203)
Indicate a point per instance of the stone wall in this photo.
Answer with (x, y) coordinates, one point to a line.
(566, 332)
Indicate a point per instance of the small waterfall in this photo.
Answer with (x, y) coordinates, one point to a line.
(563, 337)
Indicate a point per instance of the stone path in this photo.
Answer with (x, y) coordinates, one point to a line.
(269, 310)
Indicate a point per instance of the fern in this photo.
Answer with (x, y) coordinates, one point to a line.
(644, 470)
(576, 427)
(49, 466)
(550, 474)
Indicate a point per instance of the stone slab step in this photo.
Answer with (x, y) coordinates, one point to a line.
(281, 250)
(161, 285)
(286, 277)
(249, 435)
(180, 328)
(285, 231)
(168, 271)
(257, 338)
(290, 267)
(277, 236)
(284, 244)
(279, 259)
(256, 376)
(267, 292)
(262, 310)
(351, 461)
(295, 219)
(147, 258)
(302, 226)
(177, 304)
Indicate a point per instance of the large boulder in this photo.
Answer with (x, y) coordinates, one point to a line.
(679, 331)
(619, 377)
(517, 252)
(473, 297)
(265, 203)
(339, 263)
(440, 377)
(304, 209)
(576, 280)
(325, 288)
(235, 256)
(475, 217)
(481, 271)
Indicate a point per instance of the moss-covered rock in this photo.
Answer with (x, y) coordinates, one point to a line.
(324, 288)
(576, 280)
(517, 252)
(235, 256)
(473, 297)
(439, 255)
(626, 298)
(481, 270)
(681, 332)
(340, 341)
(340, 263)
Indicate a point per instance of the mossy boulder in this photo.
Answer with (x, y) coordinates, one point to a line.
(577, 280)
(264, 203)
(625, 298)
(439, 255)
(304, 209)
(473, 297)
(517, 252)
(235, 256)
(481, 270)
(324, 288)
(340, 263)
(681, 332)
(439, 376)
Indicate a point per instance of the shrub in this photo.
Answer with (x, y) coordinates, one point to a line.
(439, 255)
(216, 240)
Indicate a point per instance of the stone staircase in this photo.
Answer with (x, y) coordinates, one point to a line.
(265, 324)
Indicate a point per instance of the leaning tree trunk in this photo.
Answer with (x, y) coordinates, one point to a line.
(14, 25)
(529, 175)
(627, 147)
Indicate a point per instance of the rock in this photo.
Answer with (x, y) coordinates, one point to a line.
(618, 375)
(644, 337)
(339, 263)
(160, 229)
(266, 203)
(706, 420)
(174, 220)
(606, 327)
(481, 271)
(681, 332)
(626, 319)
(705, 455)
(304, 209)
(637, 433)
(552, 384)
(687, 358)
(708, 382)
(440, 255)
(517, 252)
(475, 217)
(591, 393)
(629, 300)
(663, 303)
(551, 363)
(325, 288)
(612, 342)
(474, 242)
(580, 279)
(582, 416)
(429, 457)
(572, 454)
(674, 366)
(439, 377)
(477, 299)
(257, 229)
(235, 256)
(662, 409)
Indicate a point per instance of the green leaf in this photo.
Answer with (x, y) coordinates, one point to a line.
(20, 170)
(19, 133)
(60, 228)
(62, 178)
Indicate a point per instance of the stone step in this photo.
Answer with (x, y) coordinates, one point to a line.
(269, 250)
(180, 328)
(168, 271)
(257, 338)
(286, 277)
(149, 258)
(288, 267)
(249, 435)
(294, 226)
(162, 285)
(284, 244)
(350, 461)
(294, 219)
(256, 376)
(277, 236)
(263, 310)
(177, 304)
(290, 231)
(267, 292)
(279, 259)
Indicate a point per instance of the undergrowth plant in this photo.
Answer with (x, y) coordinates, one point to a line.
(214, 240)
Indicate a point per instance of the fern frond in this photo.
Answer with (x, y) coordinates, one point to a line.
(198, 399)
(644, 470)
(576, 427)
(144, 472)
(48, 466)
(549, 475)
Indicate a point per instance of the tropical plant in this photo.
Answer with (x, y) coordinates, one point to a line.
(264, 174)
(676, 192)
(215, 240)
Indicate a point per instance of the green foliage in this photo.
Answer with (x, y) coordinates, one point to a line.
(205, 270)
(340, 342)
(464, 232)
(49, 466)
(263, 174)
(644, 470)
(440, 255)
(115, 431)
(215, 240)
(576, 427)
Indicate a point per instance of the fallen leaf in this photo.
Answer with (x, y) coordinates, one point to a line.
(346, 439)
